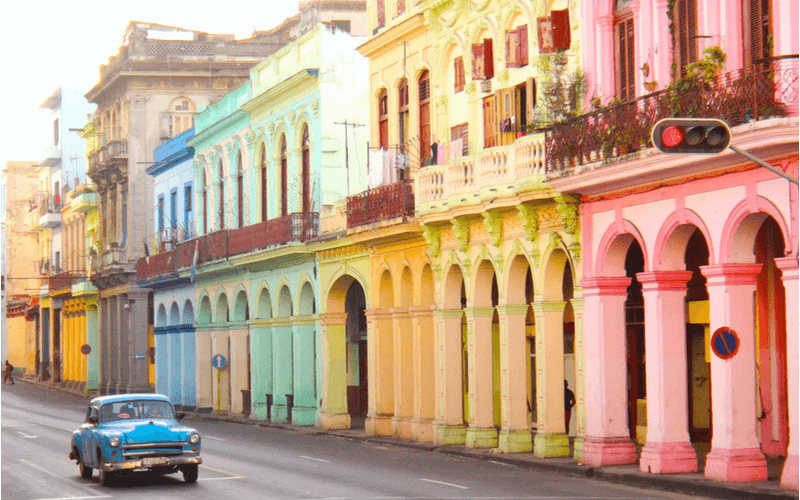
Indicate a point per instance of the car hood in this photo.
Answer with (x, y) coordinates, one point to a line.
(149, 431)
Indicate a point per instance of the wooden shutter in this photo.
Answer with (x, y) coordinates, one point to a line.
(758, 27)
(401, 6)
(458, 73)
(488, 59)
(686, 47)
(490, 122)
(505, 116)
(530, 98)
(545, 31)
(477, 62)
(381, 13)
(424, 116)
(561, 31)
(522, 45)
(512, 52)
(623, 31)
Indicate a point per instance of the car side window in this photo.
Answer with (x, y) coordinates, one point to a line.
(93, 410)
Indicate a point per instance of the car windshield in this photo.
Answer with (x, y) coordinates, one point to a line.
(127, 410)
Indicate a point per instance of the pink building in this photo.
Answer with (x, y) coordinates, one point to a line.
(676, 247)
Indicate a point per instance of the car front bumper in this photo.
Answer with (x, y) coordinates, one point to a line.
(149, 464)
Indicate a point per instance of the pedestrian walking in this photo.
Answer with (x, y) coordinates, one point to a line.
(7, 373)
(569, 402)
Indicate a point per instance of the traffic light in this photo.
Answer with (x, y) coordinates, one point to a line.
(691, 135)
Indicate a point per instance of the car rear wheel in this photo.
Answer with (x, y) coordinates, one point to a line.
(86, 471)
(190, 473)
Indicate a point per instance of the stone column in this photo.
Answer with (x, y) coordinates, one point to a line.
(481, 432)
(203, 367)
(788, 266)
(138, 346)
(422, 321)
(334, 412)
(380, 344)
(282, 368)
(115, 334)
(668, 449)
(305, 370)
(551, 437)
(239, 366)
(188, 371)
(92, 364)
(163, 356)
(515, 435)
(261, 367)
(221, 379)
(403, 361)
(580, 393)
(735, 448)
(104, 345)
(449, 411)
(174, 385)
(608, 439)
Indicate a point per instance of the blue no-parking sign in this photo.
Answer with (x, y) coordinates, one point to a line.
(218, 361)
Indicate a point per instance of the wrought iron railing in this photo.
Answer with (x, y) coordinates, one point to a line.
(759, 92)
(381, 203)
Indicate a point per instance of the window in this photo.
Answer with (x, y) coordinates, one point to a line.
(458, 74)
(554, 33)
(341, 25)
(381, 13)
(758, 30)
(187, 198)
(482, 60)
(507, 113)
(403, 125)
(173, 209)
(685, 16)
(401, 7)
(55, 133)
(187, 210)
(205, 203)
(160, 221)
(221, 197)
(460, 131)
(306, 171)
(383, 119)
(179, 117)
(517, 47)
(284, 178)
(240, 190)
(490, 125)
(263, 183)
(625, 65)
(57, 262)
(424, 116)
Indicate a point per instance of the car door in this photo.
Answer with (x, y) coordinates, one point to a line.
(88, 437)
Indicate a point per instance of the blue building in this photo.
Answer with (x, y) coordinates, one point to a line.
(173, 291)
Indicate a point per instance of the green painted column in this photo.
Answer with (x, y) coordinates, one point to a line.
(92, 360)
(305, 384)
(282, 370)
(551, 439)
(333, 413)
(260, 367)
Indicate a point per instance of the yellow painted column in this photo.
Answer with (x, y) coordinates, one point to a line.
(449, 417)
(515, 433)
(481, 432)
(334, 414)
(380, 347)
(402, 333)
(551, 439)
(424, 383)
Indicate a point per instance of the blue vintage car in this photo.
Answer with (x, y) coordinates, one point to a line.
(128, 432)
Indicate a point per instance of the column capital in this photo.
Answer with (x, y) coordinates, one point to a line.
(511, 310)
(664, 280)
(417, 311)
(478, 312)
(731, 274)
(601, 285)
(788, 266)
(448, 313)
(327, 319)
(400, 312)
(378, 314)
(548, 306)
(605, 23)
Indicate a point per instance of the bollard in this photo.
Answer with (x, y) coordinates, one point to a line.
(289, 405)
(269, 406)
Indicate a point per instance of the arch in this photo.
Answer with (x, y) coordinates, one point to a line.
(161, 316)
(485, 283)
(306, 304)
(337, 294)
(204, 312)
(385, 294)
(285, 302)
(406, 288)
(174, 314)
(221, 314)
(742, 225)
(613, 248)
(241, 309)
(673, 237)
(453, 287)
(426, 286)
(264, 310)
(188, 313)
(516, 280)
(552, 274)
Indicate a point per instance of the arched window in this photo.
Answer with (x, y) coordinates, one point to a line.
(263, 183)
(685, 18)
(205, 203)
(221, 197)
(383, 119)
(240, 190)
(284, 178)
(306, 172)
(624, 50)
(425, 117)
(179, 117)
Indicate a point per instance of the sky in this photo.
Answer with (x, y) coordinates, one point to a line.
(47, 43)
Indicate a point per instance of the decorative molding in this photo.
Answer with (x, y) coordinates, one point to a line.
(291, 117)
(250, 138)
(529, 218)
(433, 237)
(567, 208)
(461, 231)
(493, 221)
(315, 107)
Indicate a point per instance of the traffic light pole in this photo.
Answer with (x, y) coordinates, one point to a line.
(763, 164)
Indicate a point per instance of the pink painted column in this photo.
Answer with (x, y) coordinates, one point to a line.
(788, 265)
(608, 439)
(735, 450)
(668, 449)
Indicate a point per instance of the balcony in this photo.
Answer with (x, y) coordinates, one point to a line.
(156, 265)
(299, 226)
(112, 260)
(61, 282)
(48, 207)
(751, 94)
(493, 172)
(84, 198)
(51, 156)
(380, 203)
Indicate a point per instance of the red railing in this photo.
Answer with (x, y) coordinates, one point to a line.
(299, 226)
(155, 265)
(60, 281)
(754, 93)
(380, 203)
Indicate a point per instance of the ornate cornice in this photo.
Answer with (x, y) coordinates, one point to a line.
(461, 231)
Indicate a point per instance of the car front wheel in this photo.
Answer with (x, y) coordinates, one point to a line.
(190, 473)
(86, 471)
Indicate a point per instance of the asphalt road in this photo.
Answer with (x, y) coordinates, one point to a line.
(244, 462)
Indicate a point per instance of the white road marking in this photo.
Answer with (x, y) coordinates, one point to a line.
(40, 468)
(214, 438)
(218, 478)
(22, 434)
(317, 459)
(446, 484)
(75, 498)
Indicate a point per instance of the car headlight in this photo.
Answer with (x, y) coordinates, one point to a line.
(113, 441)
(194, 438)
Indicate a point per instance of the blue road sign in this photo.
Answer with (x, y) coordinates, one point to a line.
(218, 361)
(725, 343)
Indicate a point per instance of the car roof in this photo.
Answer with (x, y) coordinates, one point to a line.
(128, 397)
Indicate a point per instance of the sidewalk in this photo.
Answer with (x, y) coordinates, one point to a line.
(687, 484)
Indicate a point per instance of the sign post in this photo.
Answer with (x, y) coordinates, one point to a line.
(219, 362)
